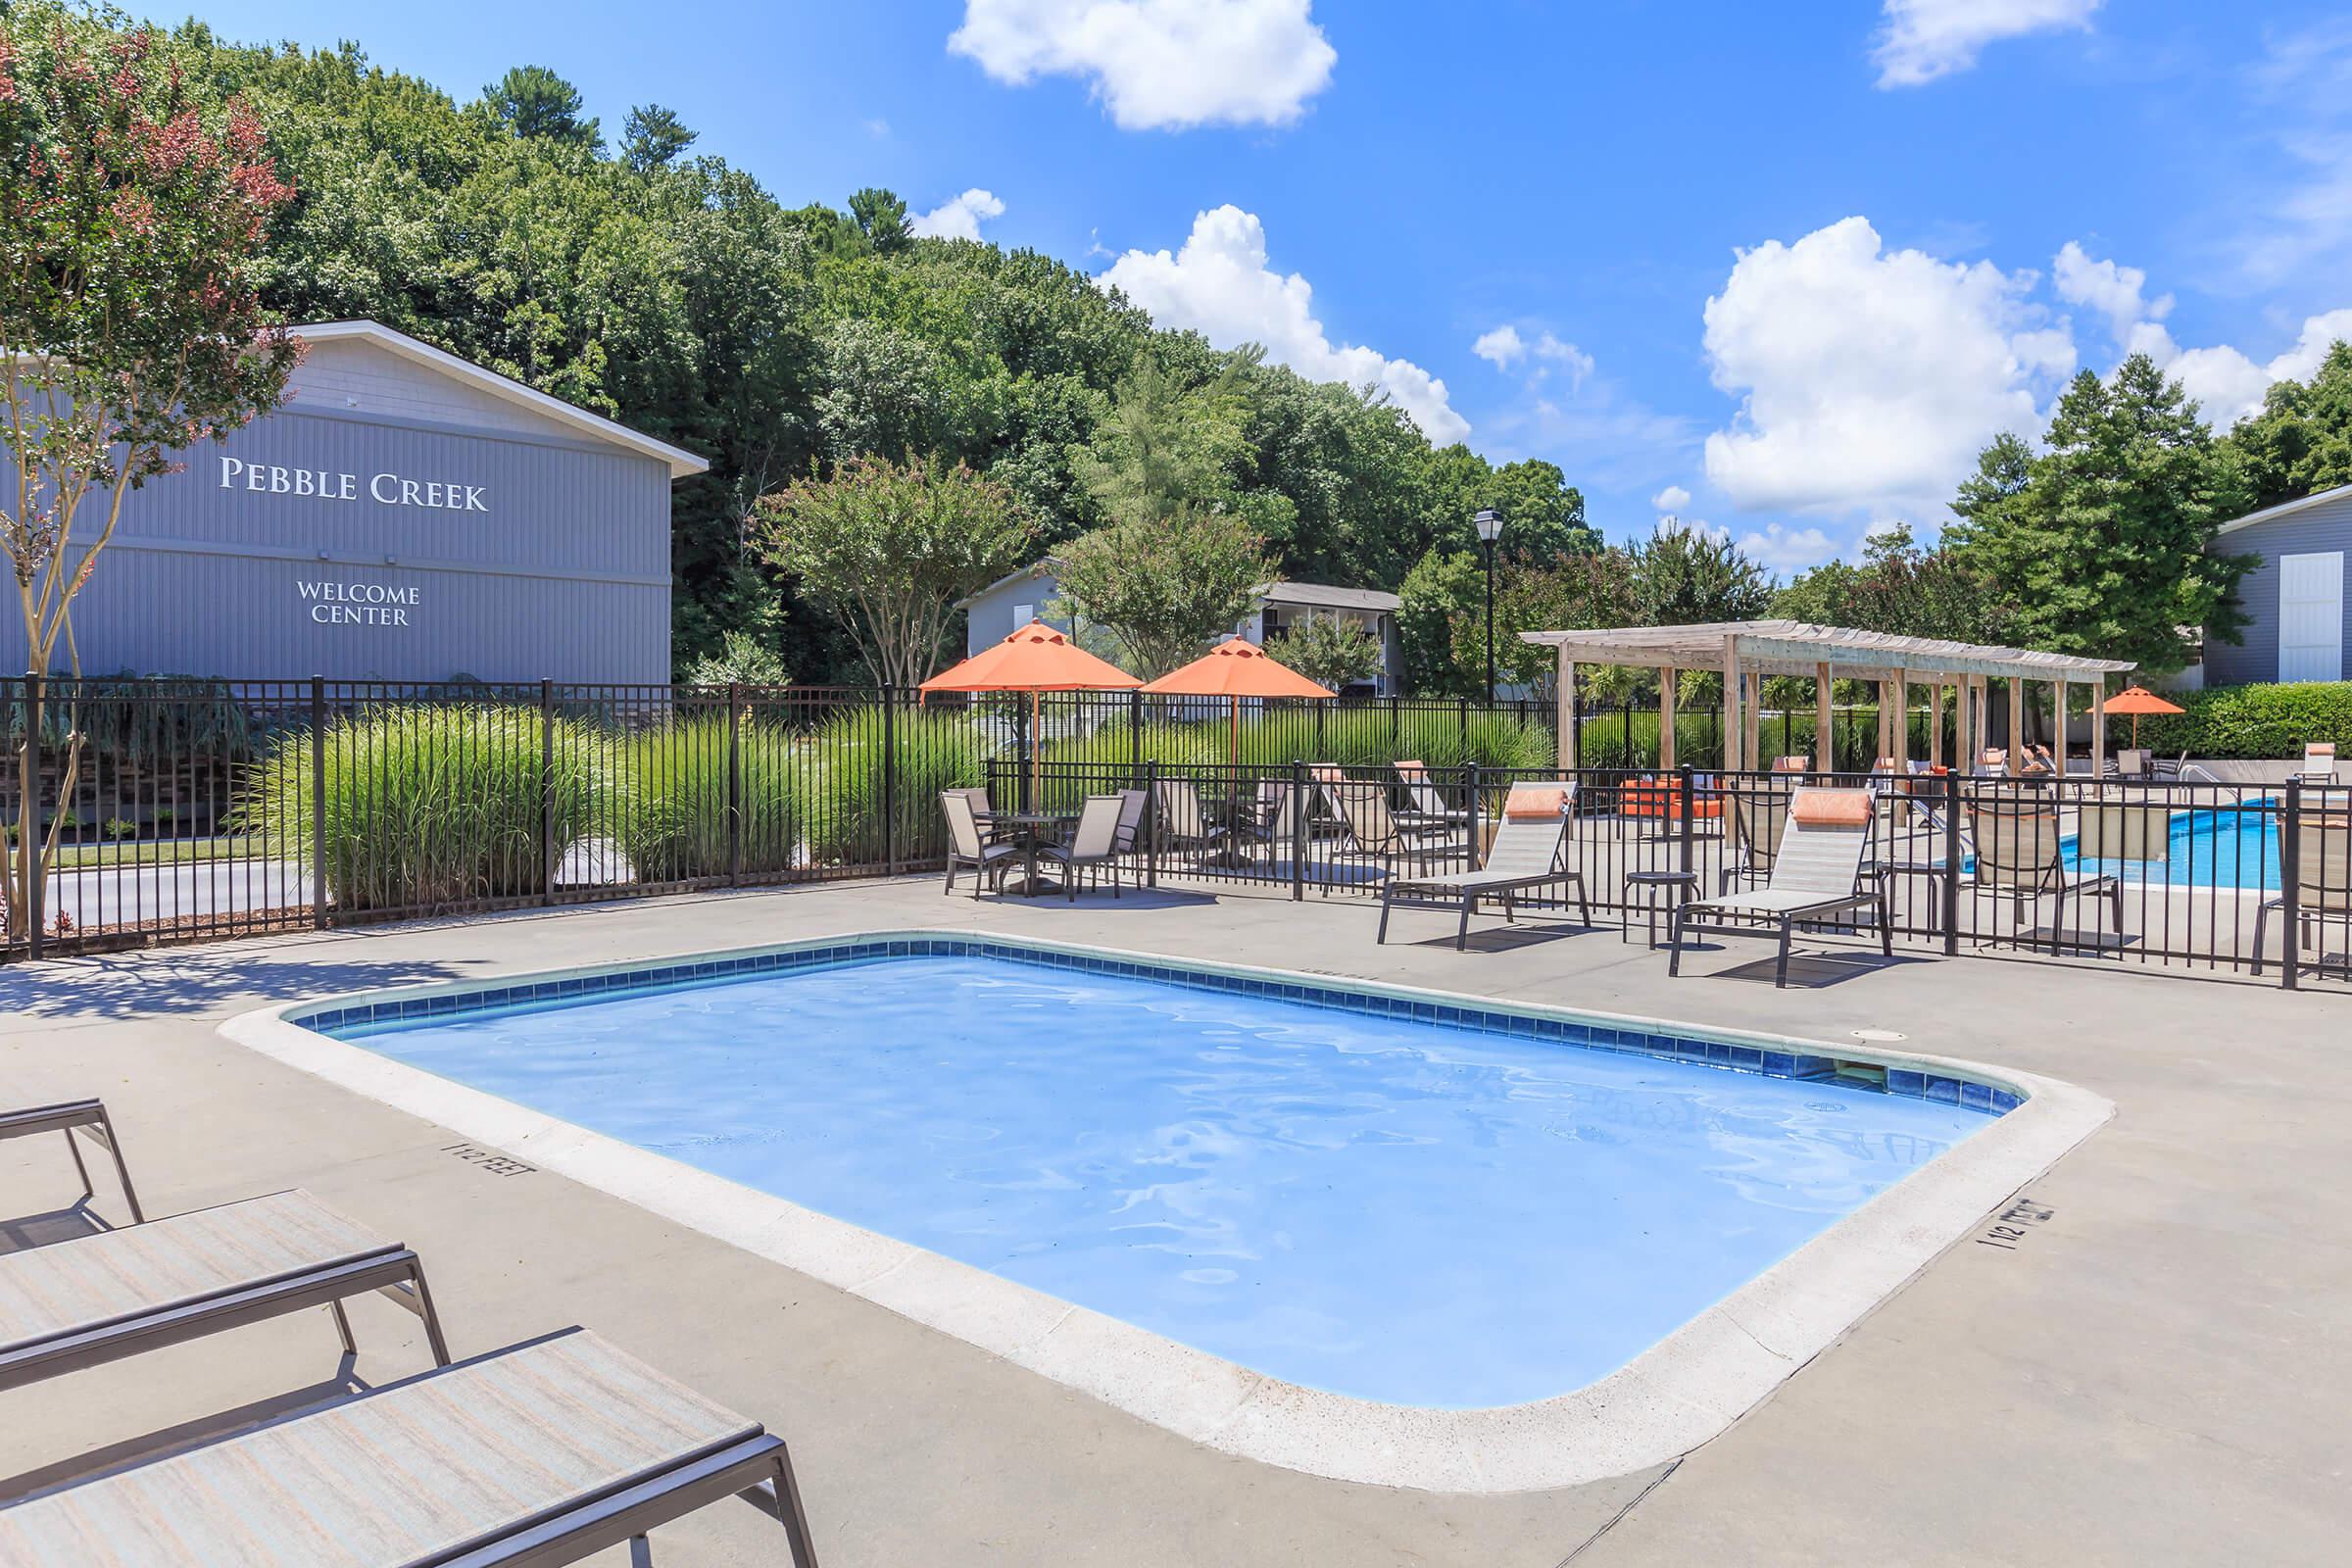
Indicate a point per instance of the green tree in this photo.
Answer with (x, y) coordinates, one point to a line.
(537, 103)
(1903, 588)
(2301, 442)
(130, 224)
(1329, 650)
(653, 137)
(1165, 587)
(1682, 577)
(882, 218)
(889, 549)
(2102, 539)
(1444, 589)
(1162, 448)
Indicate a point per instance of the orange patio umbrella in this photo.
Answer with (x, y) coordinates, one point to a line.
(1036, 658)
(2138, 700)
(1234, 670)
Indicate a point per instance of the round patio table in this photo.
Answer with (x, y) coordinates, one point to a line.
(1031, 831)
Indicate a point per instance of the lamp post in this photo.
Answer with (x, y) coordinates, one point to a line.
(1489, 523)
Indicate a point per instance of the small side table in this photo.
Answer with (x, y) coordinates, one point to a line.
(1676, 889)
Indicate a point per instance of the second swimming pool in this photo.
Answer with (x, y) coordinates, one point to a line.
(1397, 1208)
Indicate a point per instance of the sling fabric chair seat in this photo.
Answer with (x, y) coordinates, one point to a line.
(1428, 805)
(1093, 847)
(88, 1118)
(2020, 854)
(2323, 878)
(543, 1454)
(1528, 852)
(967, 848)
(1816, 876)
(100, 1298)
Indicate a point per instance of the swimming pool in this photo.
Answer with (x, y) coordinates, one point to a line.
(1381, 1234)
(2223, 847)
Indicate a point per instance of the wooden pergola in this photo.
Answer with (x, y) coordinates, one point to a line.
(1745, 652)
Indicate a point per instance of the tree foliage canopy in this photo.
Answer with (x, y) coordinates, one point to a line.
(1327, 650)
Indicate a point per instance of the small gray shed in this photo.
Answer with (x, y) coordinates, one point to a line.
(2294, 600)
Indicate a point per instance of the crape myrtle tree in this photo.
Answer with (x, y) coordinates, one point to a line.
(1327, 650)
(1165, 589)
(890, 548)
(131, 219)
(2101, 537)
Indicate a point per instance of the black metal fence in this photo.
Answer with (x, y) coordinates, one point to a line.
(172, 811)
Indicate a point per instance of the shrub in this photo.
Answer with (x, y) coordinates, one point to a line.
(424, 806)
(1374, 738)
(844, 815)
(669, 798)
(2248, 722)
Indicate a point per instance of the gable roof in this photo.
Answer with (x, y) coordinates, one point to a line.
(594, 426)
(2285, 508)
(1322, 596)
(1036, 568)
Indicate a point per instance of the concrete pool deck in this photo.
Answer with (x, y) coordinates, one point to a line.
(2153, 1372)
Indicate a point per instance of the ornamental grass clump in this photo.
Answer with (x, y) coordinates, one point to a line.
(670, 795)
(424, 806)
(844, 815)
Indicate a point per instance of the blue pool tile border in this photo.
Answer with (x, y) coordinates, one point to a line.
(1729, 1056)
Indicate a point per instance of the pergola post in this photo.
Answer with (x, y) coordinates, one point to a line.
(1666, 735)
(1964, 734)
(1565, 699)
(1825, 721)
(1902, 721)
(1752, 734)
(1936, 725)
(1733, 735)
(2098, 728)
(2016, 718)
(2058, 724)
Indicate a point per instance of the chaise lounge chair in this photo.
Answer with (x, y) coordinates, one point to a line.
(2319, 764)
(1370, 831)
(2021, 855)
(531, 1456)
(1528, 852)
(97, 1299)
(85, 1116)
(1428, 805)
(2323, 881)
(1816, 878)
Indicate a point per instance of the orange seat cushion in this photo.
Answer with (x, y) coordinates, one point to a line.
(1830, 807)
(1532, 803)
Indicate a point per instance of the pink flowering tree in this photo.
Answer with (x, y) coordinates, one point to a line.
(131, 218)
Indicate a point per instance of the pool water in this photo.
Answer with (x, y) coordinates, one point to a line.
(1380, 1206)
(2220, 847)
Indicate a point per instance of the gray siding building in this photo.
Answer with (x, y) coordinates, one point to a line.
(2294, 601)
(405, 517)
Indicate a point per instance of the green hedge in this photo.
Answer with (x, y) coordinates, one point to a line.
(2248, 722)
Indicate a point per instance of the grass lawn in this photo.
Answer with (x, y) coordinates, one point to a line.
(159, 852)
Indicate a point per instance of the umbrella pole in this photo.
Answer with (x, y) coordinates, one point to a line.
(1234, 756)
(1037, 780)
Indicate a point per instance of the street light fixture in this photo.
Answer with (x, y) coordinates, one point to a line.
(1489, 523)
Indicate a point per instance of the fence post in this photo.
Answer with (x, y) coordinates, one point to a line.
(547, 791)
(2291, 884)
(1470, 819)
(1686, 803)
(318, 921)
(889, 779)
(29, 854)
(1629, 733)
(1151, 821)
(734, 784)
(1297, 807)
(1322, 749)
(1463, 721)
(1134, 732)
(1950, 891)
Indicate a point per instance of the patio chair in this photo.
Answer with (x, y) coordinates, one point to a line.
(2323, 876)
(2021, 855)
(2131, 762)
(966, 848)
(1369, 829)
(981, 809)
(539, 1455)
(1426, 805)
(1757, 819)
(1791, 764)
(1130, 836)
(1993, 762)
(2319, 763)
(1184, 826)
(87, 1117)
(1816, 878)
(1093, 847)
(1528, 852)
(97, 1299)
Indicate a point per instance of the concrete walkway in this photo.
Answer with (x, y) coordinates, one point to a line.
(2156, 1373)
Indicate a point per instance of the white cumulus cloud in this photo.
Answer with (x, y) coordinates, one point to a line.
(1786, 549)
(2228, 383)
(1504, 348)
(1160, 64)
(1921, 40)
(959, 217)
(1220, 284)
(2119, 293)
(1869, 379)
(1674, 498)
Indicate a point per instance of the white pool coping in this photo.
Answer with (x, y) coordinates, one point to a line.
(1683, 1391)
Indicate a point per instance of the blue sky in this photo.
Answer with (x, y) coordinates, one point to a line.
(1778, 270)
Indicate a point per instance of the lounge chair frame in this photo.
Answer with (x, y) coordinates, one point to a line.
(1743, 915)
(1458, 893)
(988, 861)
(395, 1273)
(90, 1118)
